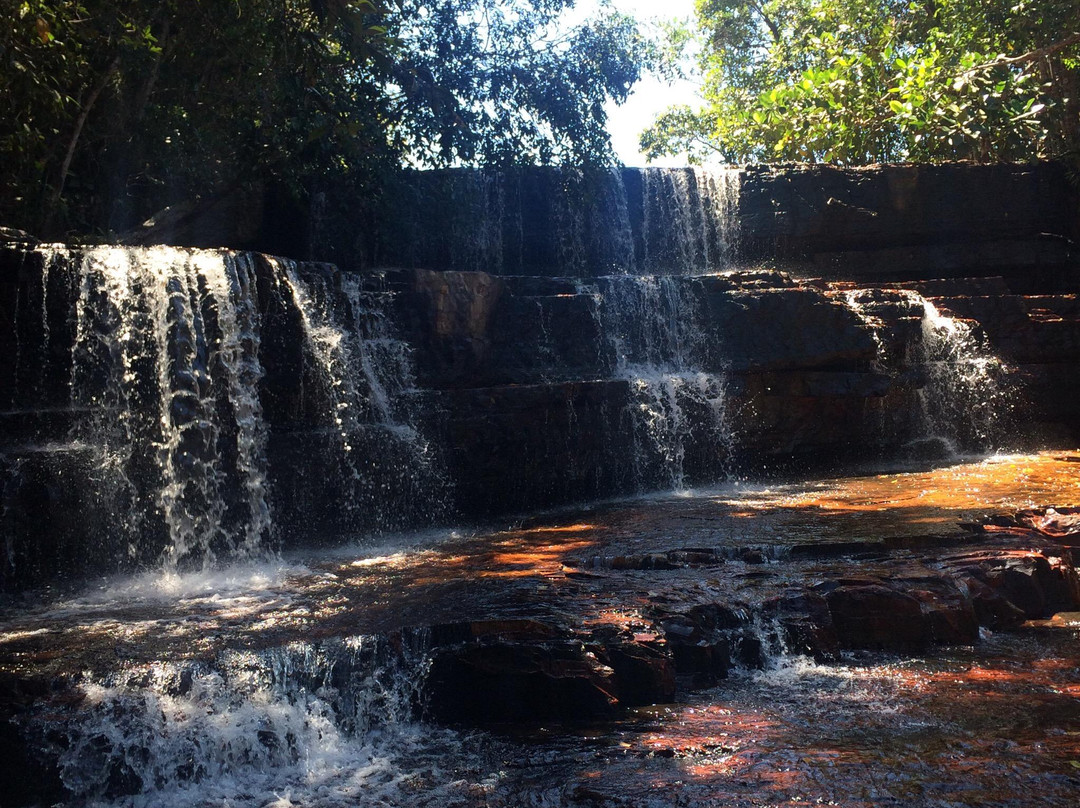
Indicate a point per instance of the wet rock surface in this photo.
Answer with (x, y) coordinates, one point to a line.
(584, 616)
(525, 392)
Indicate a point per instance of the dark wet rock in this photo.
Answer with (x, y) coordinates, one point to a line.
(873, 616)
(19, 238)
(908, 222)
(895, 222)
(1022, 581)
(700, 644)
(958, 287)
(806, 623)
(646, 561)
(503, 681)
(1032, 583)
(232, 219)
(912, 608)
(783, 329)
(456, 309)
(748, 649)
(695, 557)
(717, 616)
(950, 615)
(643, 675)
(27, 776)
(752, 556)
(702, 662)
(833, 549)
(502, 460)
(509, 629)
(992, 609)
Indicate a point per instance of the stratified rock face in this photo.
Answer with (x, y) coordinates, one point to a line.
(884, 223)
(168, 406)
(914, 221)
(208, 402)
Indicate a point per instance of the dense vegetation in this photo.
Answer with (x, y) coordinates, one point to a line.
(863, 81)
(114, 108)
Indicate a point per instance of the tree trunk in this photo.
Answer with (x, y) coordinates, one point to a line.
(80, 122)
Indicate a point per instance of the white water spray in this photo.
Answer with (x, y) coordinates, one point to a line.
(365, 374)
(166, 359)
(652, 326)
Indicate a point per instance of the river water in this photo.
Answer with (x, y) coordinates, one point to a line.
(300, 680)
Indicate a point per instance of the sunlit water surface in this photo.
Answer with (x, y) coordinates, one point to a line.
(194, 677)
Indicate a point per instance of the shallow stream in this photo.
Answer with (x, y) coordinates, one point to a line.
(299, 681)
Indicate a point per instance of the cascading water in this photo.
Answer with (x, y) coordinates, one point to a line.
(690, 219)
(324, 724)
(963, 396)
(967, 396)
(154, 364)
(166, 361)
(388, 471)
(568, 222)
(652, 327)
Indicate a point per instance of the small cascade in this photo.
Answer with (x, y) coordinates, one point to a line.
(652, 327)
(566, 222)
(319, 724)
(967, 398)
(690, 219)
(166, 362)
(962, 396)
(860, 301)
(362, 373)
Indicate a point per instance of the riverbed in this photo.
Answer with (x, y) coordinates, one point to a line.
(302, 679)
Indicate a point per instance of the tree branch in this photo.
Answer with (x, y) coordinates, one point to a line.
(1030, 56)
(769, 23)
(80, 121)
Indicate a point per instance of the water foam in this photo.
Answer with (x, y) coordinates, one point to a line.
(315, 725)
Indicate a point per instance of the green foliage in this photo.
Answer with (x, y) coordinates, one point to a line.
(863, 81)
(118, 107)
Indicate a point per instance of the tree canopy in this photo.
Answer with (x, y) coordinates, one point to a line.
(864, 81)
(116, 107)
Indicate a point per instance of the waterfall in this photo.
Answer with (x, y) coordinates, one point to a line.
(328, 723)
(653, 328)
(967, 398)
(166, 361)
(166, 429)
(566, 222)
(963, 397)
(690, 221)
(387, 471)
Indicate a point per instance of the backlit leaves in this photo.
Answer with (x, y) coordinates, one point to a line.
(862, 81)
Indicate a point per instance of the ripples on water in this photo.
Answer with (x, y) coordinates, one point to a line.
(255, 685)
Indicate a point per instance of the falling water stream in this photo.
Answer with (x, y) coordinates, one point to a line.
(967, 398)
(166, 357)
(652, 326)
(388, 471)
